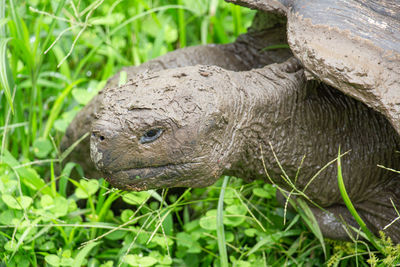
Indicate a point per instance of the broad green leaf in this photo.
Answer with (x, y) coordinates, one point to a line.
(235, 215)
(161, 241)
(11, 245)
(66, 118)
(236, 210)
(66, 253)
(135, 260)
(161, 258)
(171, 34)
(21, 202)
(87, 188)
(242, 263)
(233, 220)
(60, 206)
(110, 19)
(7, 216)
(93, 262)
(72, 206)
(229, 236)
(61, 125)
(152, 27)
(270, 188)
(200, 8)
(52, 259)
(167, 27)
(67, 262)
(83, 96)
(9, 186)
(261, 192)
(126, 215)
(46, 201)
(191, 226)
(208, 222)
(28, 175)
(165, 260)
(230, 196)
(186, 240)
(22, 260)
(250, 232)
(131, 260)
(136, 198)
(168, 224)
(2, 187)
(271, 239)
(107, 264)
(49, 245)
(116, 235)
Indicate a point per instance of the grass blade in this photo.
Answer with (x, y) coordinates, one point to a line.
(83, 254)
(309, 218)
(5, 78)
(237, 20)
(122, 25)
(351, 208)
(52, 25)
(220, 225)
(72, 147)
(2, 17)
(55, 110)
(182, 25)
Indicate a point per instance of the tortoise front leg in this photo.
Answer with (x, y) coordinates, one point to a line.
(377, 212)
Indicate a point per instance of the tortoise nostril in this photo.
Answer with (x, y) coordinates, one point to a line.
(97, 134)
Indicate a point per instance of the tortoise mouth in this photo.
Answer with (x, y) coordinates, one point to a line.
(151, 177)
(146, 169)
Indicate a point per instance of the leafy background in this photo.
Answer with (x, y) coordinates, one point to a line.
(55, 56)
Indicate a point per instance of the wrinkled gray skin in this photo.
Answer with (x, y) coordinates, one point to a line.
(212, 121)
(353, 45)
(218, 122)
(244, 54)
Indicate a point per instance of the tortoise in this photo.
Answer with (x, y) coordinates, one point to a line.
(194, 114)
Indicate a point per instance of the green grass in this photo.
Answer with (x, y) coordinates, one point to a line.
(55, 56)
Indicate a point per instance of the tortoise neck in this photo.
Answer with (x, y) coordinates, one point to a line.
(260, 118)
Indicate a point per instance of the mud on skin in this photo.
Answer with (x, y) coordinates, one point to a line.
(188, 125)
(244, 54)
(176, 126)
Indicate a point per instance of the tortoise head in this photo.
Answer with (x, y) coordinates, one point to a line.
(161, 130)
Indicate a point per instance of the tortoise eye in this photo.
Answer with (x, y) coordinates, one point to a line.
(150, 136)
